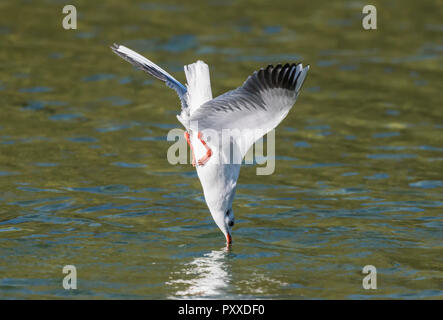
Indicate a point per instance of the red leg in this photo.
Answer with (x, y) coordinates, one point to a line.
(208, 154)
(190, 145)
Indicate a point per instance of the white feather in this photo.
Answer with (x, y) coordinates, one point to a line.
(199, 85)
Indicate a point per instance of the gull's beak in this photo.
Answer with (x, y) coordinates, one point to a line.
(228, 238)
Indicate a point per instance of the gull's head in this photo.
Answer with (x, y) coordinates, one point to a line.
(225, 221)
(219, 185)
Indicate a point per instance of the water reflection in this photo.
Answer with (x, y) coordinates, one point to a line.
(204, 277)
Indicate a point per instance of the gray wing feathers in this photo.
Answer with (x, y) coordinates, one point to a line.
(260, 104)
(263, 99)
(151, 68)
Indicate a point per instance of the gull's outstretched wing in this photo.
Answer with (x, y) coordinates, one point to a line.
(154, 70)
(260, 104)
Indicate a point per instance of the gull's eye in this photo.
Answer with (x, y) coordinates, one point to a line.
(231, 223)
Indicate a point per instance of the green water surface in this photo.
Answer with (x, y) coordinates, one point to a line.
(84, 179)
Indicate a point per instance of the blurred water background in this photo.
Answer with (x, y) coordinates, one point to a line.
(84, 178)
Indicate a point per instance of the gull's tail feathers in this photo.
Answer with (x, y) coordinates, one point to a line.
(198, 85)
(151, 68)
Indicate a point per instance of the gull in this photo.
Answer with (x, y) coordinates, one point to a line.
(260, 104)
